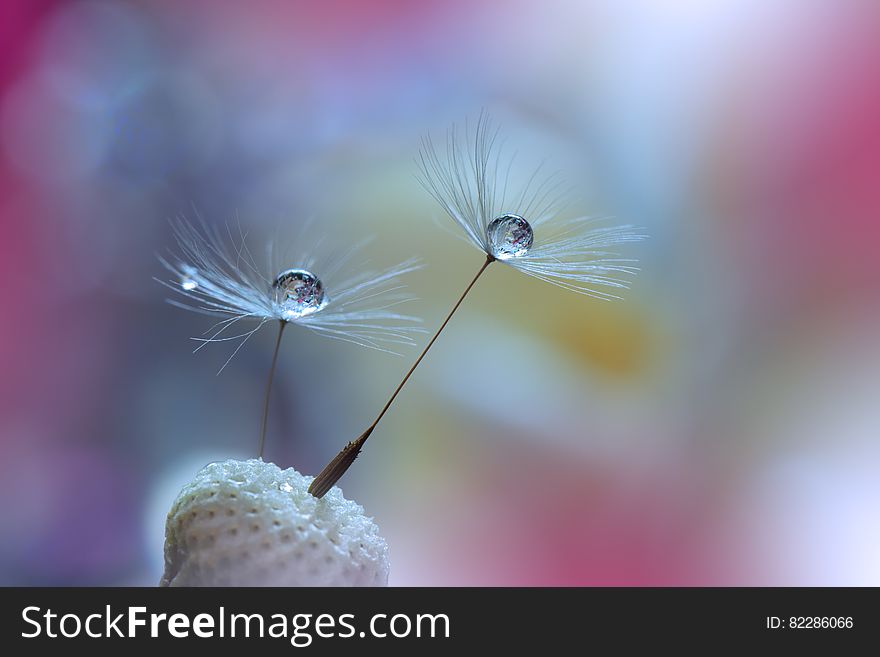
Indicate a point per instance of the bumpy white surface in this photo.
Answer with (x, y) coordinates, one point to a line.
(249, 523)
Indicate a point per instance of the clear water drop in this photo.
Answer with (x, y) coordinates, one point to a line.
(189, 278)
(298, 293)
(510, 236)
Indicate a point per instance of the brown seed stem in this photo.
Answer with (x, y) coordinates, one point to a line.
(281, 326)
(334, 470)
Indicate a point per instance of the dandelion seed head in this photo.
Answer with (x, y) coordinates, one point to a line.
(235, 508)
(298, 293)
(509, 236)
(215, 273)
(522, 225)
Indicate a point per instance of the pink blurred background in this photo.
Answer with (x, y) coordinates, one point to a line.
(719, 426)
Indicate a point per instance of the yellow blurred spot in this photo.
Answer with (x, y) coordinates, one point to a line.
(613, 337)
(610, 336)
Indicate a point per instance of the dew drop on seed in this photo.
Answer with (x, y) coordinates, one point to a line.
(510, 236)
(298, 293)
(188, 278)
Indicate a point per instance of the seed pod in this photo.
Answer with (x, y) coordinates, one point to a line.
(249, 523)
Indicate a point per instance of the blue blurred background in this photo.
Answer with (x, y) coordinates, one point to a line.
(719, 426)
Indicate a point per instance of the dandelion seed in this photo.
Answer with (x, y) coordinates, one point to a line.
(217, 274)
(522, 229)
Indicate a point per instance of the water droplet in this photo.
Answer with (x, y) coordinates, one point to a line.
(510, 236)
(189, 277)
(298, 293)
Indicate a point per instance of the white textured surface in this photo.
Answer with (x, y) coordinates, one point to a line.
(249, 523)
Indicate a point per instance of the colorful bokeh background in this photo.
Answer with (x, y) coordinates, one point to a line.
(719, 426)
